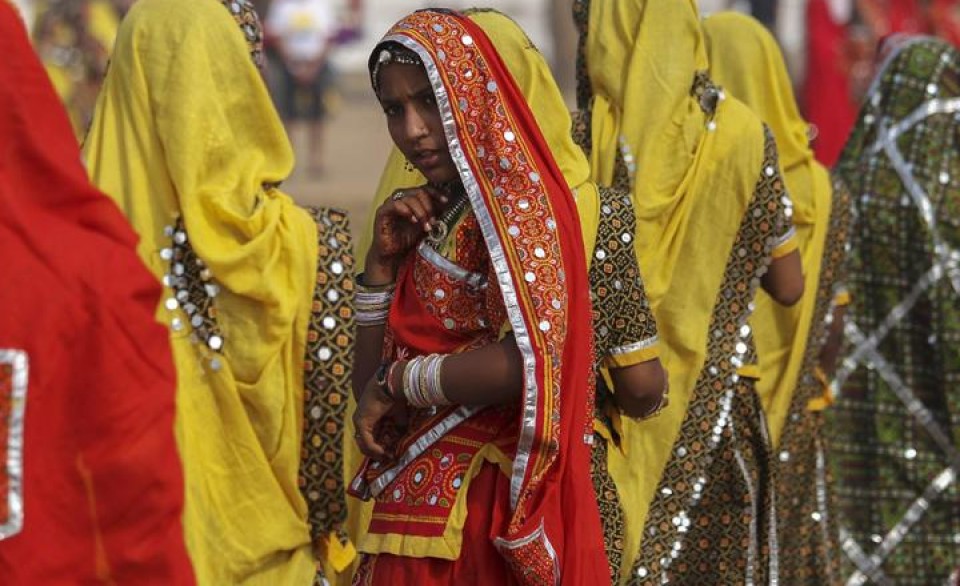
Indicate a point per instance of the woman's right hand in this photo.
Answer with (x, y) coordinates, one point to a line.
(402, 221)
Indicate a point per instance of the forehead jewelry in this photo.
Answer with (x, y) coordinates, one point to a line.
(387, 56)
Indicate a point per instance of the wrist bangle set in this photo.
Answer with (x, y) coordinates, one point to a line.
(421, 381)
(373, 304)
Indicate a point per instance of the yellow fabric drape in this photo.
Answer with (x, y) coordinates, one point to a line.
(185, 126)
(746, 60)
(691, 190)
(536, 82)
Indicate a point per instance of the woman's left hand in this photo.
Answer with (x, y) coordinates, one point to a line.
(373, 405)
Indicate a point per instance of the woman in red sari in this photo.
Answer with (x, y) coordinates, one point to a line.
(474, 304)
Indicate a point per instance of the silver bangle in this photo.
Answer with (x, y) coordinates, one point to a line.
(434, 390)
(410, 376)
(365, 297)
(372, 304)
(371, 318)
(421, 382)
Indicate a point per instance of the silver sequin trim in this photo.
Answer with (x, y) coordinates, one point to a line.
(635, 347)
(17, 359)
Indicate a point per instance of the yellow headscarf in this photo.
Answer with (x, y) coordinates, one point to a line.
(536, 82)
(746, 60)
(695, 177)
(185, 126)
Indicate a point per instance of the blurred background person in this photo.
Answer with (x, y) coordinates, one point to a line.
(302, 34)
(841, 38)
(73, 39)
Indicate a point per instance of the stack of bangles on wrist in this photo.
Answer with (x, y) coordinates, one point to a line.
(373, 304)
(420, 381)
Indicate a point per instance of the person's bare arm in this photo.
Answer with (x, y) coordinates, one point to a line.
(639, 388)
(399, 225)
(491, 375)
(830, 352)
(784, 279)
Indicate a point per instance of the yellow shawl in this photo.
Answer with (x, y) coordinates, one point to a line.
(695, 177)
(185, 127)
(746, 60)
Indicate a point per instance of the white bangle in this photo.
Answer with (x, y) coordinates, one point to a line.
(421, 382)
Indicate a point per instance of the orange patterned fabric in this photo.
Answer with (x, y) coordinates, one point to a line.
(528, 222)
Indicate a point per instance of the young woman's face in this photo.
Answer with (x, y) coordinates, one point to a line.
(413, 119)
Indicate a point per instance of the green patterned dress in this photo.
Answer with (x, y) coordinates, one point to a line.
(894, 444)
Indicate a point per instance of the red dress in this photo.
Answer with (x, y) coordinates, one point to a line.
(827, 99)
(91, 488)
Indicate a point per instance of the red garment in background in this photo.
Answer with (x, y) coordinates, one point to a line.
(828, 104)
(101, 481)
(945, 16)
(904, 16)
(840, 68)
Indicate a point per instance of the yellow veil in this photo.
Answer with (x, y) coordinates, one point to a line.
(695, 176)
(536, 82)
(185, 128)
(746, 60)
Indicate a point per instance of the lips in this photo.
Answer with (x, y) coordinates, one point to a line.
(426, 159)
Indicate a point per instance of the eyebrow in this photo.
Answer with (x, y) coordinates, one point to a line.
(427, 91)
